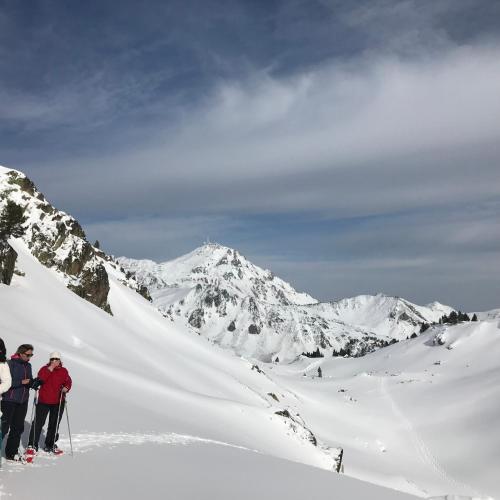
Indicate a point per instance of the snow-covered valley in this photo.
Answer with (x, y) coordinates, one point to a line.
(157, 409)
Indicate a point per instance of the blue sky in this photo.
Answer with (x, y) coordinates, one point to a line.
(351, 147)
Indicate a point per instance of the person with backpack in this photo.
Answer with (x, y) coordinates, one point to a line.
(15, 401)
(5, 378)
(51, 402)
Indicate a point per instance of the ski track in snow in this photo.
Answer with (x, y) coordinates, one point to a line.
(423, 452)
(86, 442)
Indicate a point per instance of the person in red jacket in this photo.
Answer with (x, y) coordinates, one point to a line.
(51, 402)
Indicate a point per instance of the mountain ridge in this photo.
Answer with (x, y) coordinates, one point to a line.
(216, 292)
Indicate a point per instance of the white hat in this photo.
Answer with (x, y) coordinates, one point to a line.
(55, 354)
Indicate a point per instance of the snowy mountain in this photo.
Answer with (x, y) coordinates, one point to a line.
(384, 315)
(218, 293)
(156, 411)
(58, 241)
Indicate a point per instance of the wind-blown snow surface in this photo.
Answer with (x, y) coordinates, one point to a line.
(185, 417)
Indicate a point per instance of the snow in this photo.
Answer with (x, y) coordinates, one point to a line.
(422, 411)
(152, 405)
(158, 410)
(135, 373)
(6, 170)
(188, 471)
(379, 313)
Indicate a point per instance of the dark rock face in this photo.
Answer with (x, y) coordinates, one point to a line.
(8, 258)
(231, 327)
(143, 290)
(196, 318)
(253, 329)
(94, 287)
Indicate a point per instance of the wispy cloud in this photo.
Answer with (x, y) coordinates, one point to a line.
(370, 125)
(375, 136)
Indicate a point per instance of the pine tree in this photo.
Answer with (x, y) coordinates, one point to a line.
(11, 221)
(474, 318)
(97, 244)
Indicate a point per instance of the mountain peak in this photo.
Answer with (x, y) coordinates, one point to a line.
(6, 170)
(58, 240)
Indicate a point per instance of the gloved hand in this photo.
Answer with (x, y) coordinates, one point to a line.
(37, 383)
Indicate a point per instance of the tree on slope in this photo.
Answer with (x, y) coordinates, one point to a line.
(11, 221)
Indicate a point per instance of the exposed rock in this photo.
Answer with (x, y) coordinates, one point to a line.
(196, 318)
(253, 329)
(23, 182)
(94, 287)
(143, 290)
(297, 425)
(58, 241)
(8, 257)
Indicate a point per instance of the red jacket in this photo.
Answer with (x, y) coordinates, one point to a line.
(53, 382)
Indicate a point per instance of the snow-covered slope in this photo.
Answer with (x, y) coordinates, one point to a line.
(425, 410)
(489, 315)
(138, 381)
(384, 315)
(416, 416)
(217, 292)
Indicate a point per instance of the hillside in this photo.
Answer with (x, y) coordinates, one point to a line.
(141, 385)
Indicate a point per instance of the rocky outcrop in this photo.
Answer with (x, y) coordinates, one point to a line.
(58, 241)
(8, 258)
(94, 287)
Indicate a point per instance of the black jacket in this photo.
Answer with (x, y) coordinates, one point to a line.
(19, 370)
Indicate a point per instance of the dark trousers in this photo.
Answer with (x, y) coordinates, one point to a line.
(13, 415)
(41, 412)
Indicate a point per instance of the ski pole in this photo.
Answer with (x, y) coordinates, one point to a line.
(69, 429)
(33, 418)
(58, 418)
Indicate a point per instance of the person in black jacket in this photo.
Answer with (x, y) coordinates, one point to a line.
(15, 400)
(5, 378)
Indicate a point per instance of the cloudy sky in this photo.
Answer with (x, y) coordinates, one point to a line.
(350, 146)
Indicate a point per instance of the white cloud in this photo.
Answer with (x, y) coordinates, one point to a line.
(378, 134)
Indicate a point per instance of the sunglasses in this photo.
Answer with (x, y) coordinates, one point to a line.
(55, 359)
(27, 355)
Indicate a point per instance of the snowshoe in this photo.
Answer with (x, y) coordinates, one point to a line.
(29, 454)
(54, 450)
(16, 458)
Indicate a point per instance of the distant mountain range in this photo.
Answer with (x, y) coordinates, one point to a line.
(216, 292)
